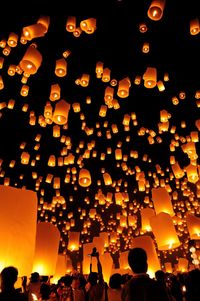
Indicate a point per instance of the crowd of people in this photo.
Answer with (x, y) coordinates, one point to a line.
(135, 287)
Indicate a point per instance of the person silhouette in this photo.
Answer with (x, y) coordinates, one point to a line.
(140, 286)
(8, 278)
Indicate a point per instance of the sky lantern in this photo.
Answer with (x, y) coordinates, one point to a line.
(45, 21)
(46, 249)
(168, 267)
(123, 260)
(55, 92)
(84, 179)
(162, 201)
(164, 231)
(123, 87)
(150, 77)
(192, 173)
(31, 60)
(182, 265)
(61, 268)
(71, 24)
(146, 242)
(87, 249)
(194, 26)
(12, 39)
(73, 241)
(107, 263)
(107, 179)
(25, 157)
(146, 214)
(61, 67)
(33, 31)
(178, 172)
(18, 218)
(60, 115)
(193, 225)
(89, 25)
(156, 8)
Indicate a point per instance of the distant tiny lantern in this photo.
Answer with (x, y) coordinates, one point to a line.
(155, 11)
(61, 67)
(84, 178)
(60, 115)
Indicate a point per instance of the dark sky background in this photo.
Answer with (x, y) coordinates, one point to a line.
(117, 42)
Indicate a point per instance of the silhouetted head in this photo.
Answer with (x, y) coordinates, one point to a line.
(92, 278)
(137, 259)
(115, 281)
(160, 275)
(8, 277)
(45, 291)
(35, 276)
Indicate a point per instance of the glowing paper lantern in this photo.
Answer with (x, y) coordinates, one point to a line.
(150, 77)
(55, 92)
(61, 67)
(182, 265)
(168, 267)
(46, 249)
(194, 26)
(73, 243)
(123, 260)
(33, 31)
(99, 244)
(162, 201)
(71, 24)
(193, 225)
(147, 243)
(89, 25)
(164, 231)
(31, 60)
(61, 268)
(87, 249)
(192, 173)
(155, 11)
(60, 115)
(84, 178)
(146, 215)
(18, 218)
(123, 87)
(107, 263)
(107, 179)
(12, 39)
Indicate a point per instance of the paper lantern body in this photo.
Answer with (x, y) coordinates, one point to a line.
(61, 268)
(146, 214)
(146, 242)
(31, 61)
(84, 179)
(107, 263)
(193, 224)
(46, 249)
(155, 11)
(182, 265)
(60, 115)
(164, 231)
(18, 219)
(162, 201)
(73, 243)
